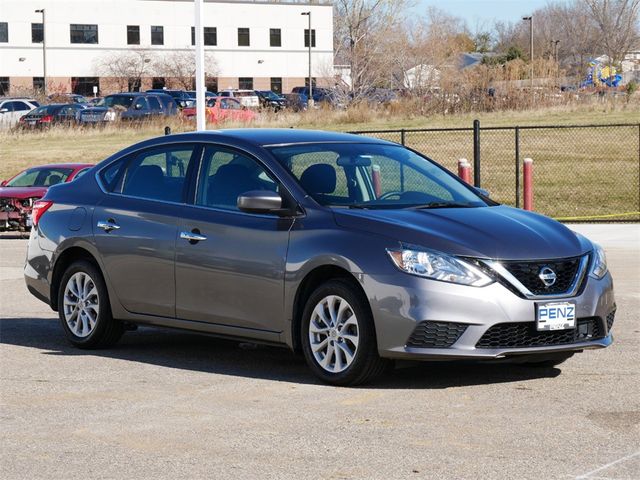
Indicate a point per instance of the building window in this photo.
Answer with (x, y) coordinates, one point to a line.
(244, 38)
(210, 36)
(84, 85)
(276, 85)
(275, 37)
(158, 83)
(84, 33)
(245, 83)
(306, 37)
(4, 33)
(157, 35)
(133, 35)
(211, 84)
(133, 84)
(37, 33)
(4, 85)
(306, 82)
(38, 83)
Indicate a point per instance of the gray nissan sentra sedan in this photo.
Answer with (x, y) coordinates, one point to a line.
(353, 250)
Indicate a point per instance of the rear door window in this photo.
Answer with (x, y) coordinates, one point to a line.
(156, 174)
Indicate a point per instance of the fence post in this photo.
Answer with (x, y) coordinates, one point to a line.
(402, 137)
(517, 167)
(528, 183)
(464, 170)
(476, 153)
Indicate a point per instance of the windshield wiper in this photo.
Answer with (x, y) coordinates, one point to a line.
(442, 205)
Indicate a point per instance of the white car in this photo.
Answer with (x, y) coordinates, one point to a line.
(248, 98)
(12, 109)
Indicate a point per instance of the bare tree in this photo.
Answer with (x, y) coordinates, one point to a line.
(122, 68)
(362, 33)
(180, 68)
(618, 24)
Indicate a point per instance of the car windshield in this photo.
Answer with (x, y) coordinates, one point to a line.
(270, 95)
(44, 110)
(118, 100)
(373, 176)
(40, 177)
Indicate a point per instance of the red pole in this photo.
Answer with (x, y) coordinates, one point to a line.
(464, 170)
(527, 173)
(377, 181)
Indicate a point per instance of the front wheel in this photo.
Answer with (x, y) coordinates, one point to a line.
(83, 308)
(338, 335)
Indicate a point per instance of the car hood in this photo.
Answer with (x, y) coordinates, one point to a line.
(501, 233)
(22, 192)
(94, 110)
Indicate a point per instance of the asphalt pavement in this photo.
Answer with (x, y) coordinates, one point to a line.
(168, 404)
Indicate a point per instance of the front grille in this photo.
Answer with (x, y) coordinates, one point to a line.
(610, 318)
(525, 334)
(528, 273)
(436, 334)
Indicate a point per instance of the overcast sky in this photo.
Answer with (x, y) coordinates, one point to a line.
(483, 11)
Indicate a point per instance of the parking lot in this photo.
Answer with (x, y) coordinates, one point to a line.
(165, 404)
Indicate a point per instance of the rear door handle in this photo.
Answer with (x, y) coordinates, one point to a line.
(193, 237)
(108, 225)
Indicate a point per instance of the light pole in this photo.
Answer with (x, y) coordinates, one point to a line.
(44, 52)
(310, 100)
(201, 120)
(530, 20)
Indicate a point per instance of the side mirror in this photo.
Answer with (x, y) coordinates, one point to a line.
(482, 191)
(260, 201)
(138, 106)
(4, 110)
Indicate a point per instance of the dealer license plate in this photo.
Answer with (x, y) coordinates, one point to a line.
(555, 316)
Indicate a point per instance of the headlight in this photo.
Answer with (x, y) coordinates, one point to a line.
(438, 266)
(599, 266)
(110, 116)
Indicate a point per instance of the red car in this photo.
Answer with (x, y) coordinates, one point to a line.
(18, 194)
(220, 109)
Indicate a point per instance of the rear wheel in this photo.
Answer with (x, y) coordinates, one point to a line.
(83, 308)
(338, 335)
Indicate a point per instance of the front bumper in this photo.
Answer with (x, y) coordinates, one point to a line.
(399, 309)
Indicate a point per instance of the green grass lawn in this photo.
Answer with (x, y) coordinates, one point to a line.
(578, 172)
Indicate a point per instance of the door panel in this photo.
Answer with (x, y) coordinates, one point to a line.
(236, 275)
(135, 227)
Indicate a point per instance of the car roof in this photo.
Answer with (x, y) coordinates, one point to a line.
(277, 136)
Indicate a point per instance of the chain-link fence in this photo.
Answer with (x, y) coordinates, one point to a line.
(581, 172)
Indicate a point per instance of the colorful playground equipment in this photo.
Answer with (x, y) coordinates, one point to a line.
(600, 74)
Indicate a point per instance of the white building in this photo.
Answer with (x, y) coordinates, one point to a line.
(258, 44)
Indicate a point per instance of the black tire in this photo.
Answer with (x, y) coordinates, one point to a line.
(106, 331)
(551, 360)
(366, 364)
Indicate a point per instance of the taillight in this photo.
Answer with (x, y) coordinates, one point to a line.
(47, 118)
(39, 208)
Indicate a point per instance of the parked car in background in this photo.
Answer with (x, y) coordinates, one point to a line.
(207, 94)
(52, 114)
(127, 106)
(271, 100)
(11, 109)
(181, 97)
(320, 95)
(68, 98)
(18, 194)
(296, 102)
(248, 98)
(314, 241)
(95, 101)
(219, 109)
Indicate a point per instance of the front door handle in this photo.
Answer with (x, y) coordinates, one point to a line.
(108, 225)
(193, 236)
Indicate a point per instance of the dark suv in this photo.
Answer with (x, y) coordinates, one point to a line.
(126, 106)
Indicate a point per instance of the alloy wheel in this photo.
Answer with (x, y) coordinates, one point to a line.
(81, 304)
(333, 334)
